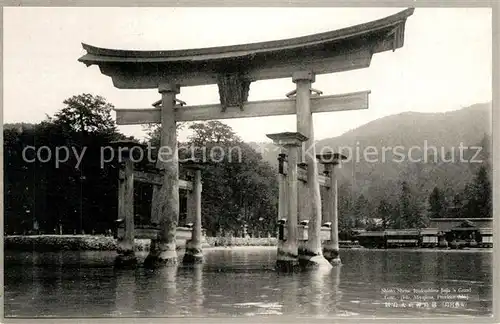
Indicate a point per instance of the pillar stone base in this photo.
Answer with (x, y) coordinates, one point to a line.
(156, 261)
(194, 253)
(126, 259)
(332, 254)
(311, 260)
(161, 255)
(287, 258)
(287, 265)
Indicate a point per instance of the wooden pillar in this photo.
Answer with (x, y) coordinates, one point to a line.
(282, 206)
(303, 198)
(336, 290)
(331, 249)
(190, 207)
(312, 256)
(197, 296)
(290, 248)
(194, 253)
(165, 204)
(125, 291)
(287, 245)
(125, 248)
(325, 212)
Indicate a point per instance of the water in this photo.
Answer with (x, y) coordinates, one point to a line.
(241, 282)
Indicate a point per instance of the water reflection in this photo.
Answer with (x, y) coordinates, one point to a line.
(125, 292)
(196, 292)
(429, 268)
(289, 284)
(36, 276)
(336, 289)
(442, 266)
(318, 289)
(161, 288)
(239, 282)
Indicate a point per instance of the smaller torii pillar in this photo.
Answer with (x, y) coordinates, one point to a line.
(287, 258)
(283, 191)
(331, 248)
(125, 245)
(194, 253)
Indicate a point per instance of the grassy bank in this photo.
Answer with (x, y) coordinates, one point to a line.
(107, 243)
(61, 243)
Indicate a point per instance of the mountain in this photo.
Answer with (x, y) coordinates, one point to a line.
(434, 140)
(409, 129)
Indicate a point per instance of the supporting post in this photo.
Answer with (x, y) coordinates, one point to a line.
(126, 254)
(194, 253)
(191, 206)
(331, 248)
(334, 212)
(287, 258)
(312, 255)
(282, 206)
(325, 192)
(165, 204)
(197, 297)
(303, 197)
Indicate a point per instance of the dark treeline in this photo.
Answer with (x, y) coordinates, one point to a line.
(79, 195)
(70, 197)
(410, 208)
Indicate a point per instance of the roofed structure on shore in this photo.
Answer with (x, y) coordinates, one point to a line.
(448, 224)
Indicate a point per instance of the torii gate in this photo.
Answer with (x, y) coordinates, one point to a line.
(233, 68)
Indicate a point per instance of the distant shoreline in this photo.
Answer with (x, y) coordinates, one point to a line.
(69, 242)
(55, 243)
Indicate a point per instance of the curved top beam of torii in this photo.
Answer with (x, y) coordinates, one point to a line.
(335, 51)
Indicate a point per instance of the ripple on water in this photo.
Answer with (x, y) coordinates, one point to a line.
(259, 304)
(262, 308)
(236, 283)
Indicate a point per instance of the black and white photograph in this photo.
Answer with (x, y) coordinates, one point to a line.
(261, 163)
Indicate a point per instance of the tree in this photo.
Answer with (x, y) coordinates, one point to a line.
(212, 132)
(18, 180)
(75, 195)
(238, 187)
(456, 210)
(344, 207)
(404, 220)
(153, 132)
(385, 210)
(410, 211)
(361, 211)
(483, 188)
(86, 113)
(86, 123)
(478, 195)
(436, 204)
(420, 213)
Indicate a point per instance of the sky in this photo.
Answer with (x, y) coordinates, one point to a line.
(445, 63)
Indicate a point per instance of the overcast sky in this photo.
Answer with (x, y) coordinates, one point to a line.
(444, 65)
